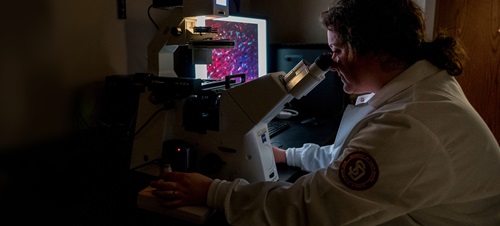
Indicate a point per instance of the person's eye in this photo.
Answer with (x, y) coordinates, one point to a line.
(336, 52)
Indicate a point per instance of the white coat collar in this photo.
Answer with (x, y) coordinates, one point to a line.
(416, 72)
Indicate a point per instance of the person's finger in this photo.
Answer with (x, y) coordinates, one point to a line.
(164, 185)
(169, 194)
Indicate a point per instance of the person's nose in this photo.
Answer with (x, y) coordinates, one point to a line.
(335, 62)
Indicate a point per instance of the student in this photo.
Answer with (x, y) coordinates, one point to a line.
(411, 151)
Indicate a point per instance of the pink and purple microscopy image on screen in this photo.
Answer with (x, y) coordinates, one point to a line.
(242, 59)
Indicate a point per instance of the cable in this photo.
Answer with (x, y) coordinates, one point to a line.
(291, 111)
(287, 113)
(149, 120)
(151, 18)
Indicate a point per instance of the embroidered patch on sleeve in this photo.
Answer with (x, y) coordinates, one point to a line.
(358, 171)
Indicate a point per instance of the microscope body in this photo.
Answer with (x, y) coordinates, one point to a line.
(223, 134)
(231, 140)
(219, 131)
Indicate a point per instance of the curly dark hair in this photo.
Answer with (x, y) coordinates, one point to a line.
(394, 29)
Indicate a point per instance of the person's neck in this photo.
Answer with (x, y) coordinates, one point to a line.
(382, 74)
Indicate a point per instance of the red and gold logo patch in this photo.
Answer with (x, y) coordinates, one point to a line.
(358, 171)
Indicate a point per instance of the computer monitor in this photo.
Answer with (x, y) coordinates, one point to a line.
(249, 55)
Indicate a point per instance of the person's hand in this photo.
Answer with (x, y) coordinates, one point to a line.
(279, 155)
(182, 189)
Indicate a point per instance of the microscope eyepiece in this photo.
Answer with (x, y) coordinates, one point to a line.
(324, 61)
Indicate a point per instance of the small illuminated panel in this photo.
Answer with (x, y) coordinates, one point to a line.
(221, 2)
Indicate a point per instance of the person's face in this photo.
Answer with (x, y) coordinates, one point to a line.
(350, 68)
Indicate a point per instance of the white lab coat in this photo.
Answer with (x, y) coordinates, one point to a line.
(436, 163)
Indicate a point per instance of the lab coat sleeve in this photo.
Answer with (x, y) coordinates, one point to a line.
(414, 172)
(310, 157)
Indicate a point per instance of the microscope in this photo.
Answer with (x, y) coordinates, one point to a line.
(218, 128)
(222, 132)
(215, 127)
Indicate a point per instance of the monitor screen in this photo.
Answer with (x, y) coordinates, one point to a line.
(249, 55)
